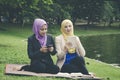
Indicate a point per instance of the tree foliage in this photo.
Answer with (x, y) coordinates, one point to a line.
(54, 11)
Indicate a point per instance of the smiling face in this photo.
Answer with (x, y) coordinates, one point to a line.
(43, 30)
(68, 28)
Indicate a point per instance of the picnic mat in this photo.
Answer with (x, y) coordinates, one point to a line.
(13, 69)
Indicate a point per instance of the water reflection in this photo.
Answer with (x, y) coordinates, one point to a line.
(105, 48)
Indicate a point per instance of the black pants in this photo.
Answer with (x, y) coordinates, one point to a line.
(41, 67)
(76, 65)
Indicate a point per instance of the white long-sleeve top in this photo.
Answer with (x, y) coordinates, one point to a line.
(61, 54)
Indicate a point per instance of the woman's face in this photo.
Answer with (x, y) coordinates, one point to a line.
(43, 30)
(68, 28)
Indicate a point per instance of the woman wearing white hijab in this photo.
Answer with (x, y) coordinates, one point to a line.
(70, 52)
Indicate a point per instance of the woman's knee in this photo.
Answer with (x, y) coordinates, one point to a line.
(57, 69)
(38, 68)
(80, 59)
(53, 69)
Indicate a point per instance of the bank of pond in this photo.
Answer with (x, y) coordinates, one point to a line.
(105, 48)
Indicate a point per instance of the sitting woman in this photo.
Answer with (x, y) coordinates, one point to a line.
(40, 48)
(70, 52)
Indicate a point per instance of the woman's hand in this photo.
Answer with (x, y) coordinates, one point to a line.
(68, 44)
(50, 49)
(65, 48)
(44, 49)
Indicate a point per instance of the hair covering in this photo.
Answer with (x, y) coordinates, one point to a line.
(37, 25)
(63, 24)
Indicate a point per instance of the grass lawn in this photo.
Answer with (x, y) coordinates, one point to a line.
(13, 50)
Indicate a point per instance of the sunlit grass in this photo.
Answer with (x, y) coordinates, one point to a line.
(13, 50)
(103, 70)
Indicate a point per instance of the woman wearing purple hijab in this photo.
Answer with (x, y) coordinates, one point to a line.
(40, 47)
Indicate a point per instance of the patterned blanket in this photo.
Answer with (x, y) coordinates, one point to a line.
(14, 69)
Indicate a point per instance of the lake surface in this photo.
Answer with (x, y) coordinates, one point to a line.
(105, 48)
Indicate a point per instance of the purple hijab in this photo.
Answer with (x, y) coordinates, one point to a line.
(37, 25)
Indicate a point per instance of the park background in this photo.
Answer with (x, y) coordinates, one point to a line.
(96, 22)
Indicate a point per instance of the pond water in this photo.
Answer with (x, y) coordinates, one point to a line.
(105, 48)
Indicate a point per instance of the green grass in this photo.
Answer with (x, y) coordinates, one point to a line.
(13, 50)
